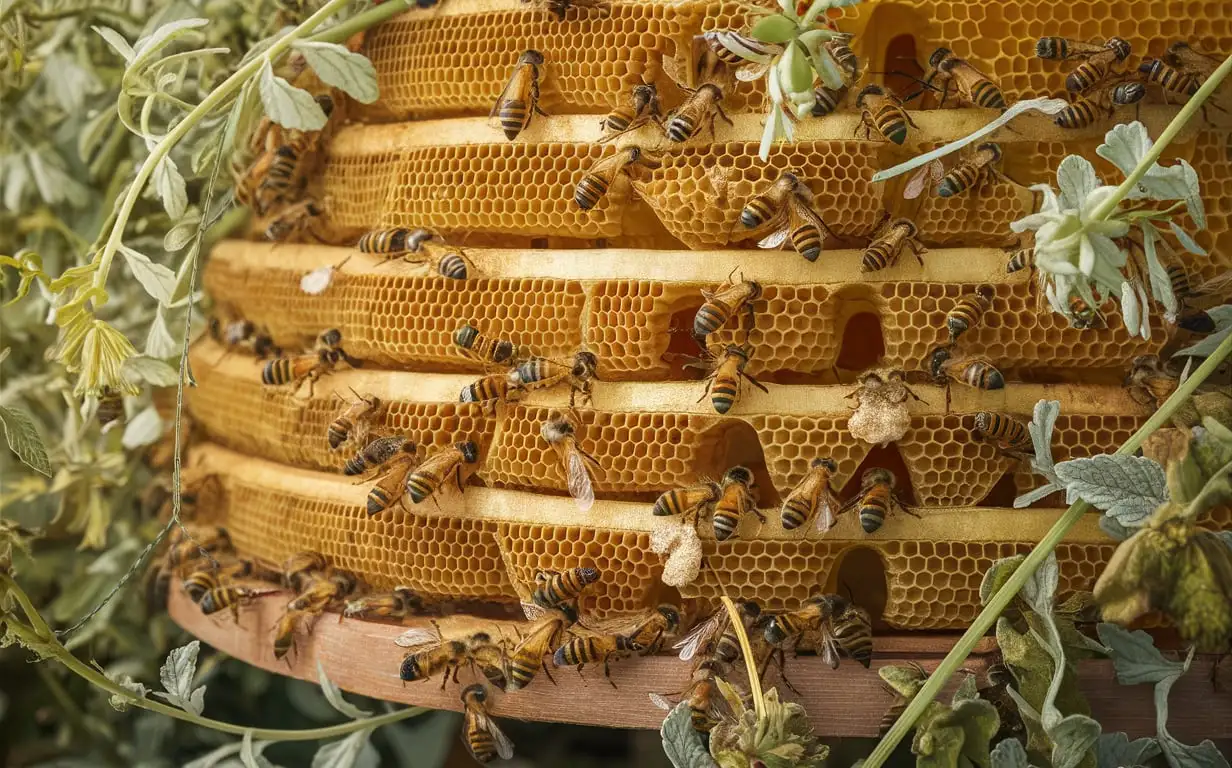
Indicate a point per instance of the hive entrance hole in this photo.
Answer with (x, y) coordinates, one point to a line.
(735, 443)
(886, 457)
(863, 343)
(860, 576)
(681, 347)
(1002, 494)
(901, 64)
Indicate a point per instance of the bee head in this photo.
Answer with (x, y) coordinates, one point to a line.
(775, 633)
(938, 358)
(470, 451)
(985, 291)
(878, 476)
(416, 238)
(476, 693)
(990, 146)
(584, 364)
(742, 351)
(555, 430)
(825, 461)
(670, 615)
(531, 56)
(331, 338)
(713, 88)
(588, 575)
(742, 475)
(869, 90)
(326, 103)
(938, 56)
(754, 290)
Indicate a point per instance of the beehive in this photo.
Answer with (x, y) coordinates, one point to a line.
(624, 281)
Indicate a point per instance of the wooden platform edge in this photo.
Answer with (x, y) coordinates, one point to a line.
(361, 657)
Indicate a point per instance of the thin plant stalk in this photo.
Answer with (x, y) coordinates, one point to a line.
(39, 637)
(746, 649)
(1001, 600)
(215, 99)
(361, 21)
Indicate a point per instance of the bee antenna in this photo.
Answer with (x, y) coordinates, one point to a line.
(850, 595)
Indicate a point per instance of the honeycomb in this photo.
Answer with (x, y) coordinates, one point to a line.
(624, 281)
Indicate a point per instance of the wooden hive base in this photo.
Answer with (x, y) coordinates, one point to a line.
(848, 701)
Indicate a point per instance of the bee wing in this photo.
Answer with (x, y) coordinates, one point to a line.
(699, 636)
(504, 746)
(662, 702)
(532, 611)
(413, 638)
(580, 487)
(829, 647)
(514, 79)
(776, 239)
(802, 209)
(827, 506)
(919, 182)
(717, 177)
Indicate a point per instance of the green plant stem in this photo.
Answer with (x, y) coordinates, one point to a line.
(1152, 156)
(215, 99)
(44, 643)
(361, 21)
(1001, 600)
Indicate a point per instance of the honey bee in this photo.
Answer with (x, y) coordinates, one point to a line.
(876, 497)
(229, 598)
(1148, 382)
(817, 610)
(715, 639)
(286, 164)
(319, 590)
(543, 637)
(649, 633)
(592, 649)
(198, 543)
(813, 495)
(540, 373)
(576, 463)
(968, 312)
(1082, 315)
(770, 204)
(706, 707)
(110, 407)
(1169, 79)
(899, 705)
(826, 100)
(882, 111)
(729, 299)
(641, 109)
(476, 346)
(301, 222)
(1187, 290)
(555, 589)
(725, 374)
(977, 171)
(805, 226)
(1010, 434)
(682, 501)
(400, 603)
(696, 113)
(560, 7)
(391, 482)
(1183, 56)
(297, 370)
(718, 42)
(300, 566)
(520, 99)
(437, 468)
(971, 85)
(225, 571)
(483, 737)
(394, 242)
(600, 176)
(852, 630)
(1083, 112)
(889, 240)
(242, 334)
(493, 389)
(1096, 60)
(1020, 259)
(435, 655)
(377, 452)
(976, 372)
(736, 499)
(284, 632)
(360, 413)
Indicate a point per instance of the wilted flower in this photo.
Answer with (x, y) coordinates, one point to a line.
(781, 738)
(93, 349)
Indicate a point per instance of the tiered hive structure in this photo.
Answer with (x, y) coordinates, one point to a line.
(624, 281)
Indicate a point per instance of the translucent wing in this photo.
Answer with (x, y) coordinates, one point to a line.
(919, 182)
(532, 611)
(826, 507)
(504, 746)
(515, 79)
(580, 487)
(699, 636)
(413, 638)
(829, 647)
(776, 239)
(661, 702)
(752, 72)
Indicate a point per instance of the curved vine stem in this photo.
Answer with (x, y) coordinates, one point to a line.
(1001, 600)
(38, 637)
(746, 649)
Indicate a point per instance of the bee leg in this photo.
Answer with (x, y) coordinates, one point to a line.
(719, 108)
(755, 382)
(548, 672)
(607, 671)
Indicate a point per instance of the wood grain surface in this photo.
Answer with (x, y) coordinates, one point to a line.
(361, 657)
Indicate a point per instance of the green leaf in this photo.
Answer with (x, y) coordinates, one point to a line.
(1128, 488)
(1041, 587)
(250, 753)
(1032, 496)
(95, 130)
(67, 82)
(815, 38)
(287, 105)
(158, 342)
(1115, 750)
(1114, 529)
(1043, 420)
(336, 66)
(148, 46)
(157, 280)
(1134, 655)
(355, 751)
(801, 75)
(1161, 283)
(827, 68)
(1009, 754)
(681, 743)
(1077, 180)
(143, 429)
(1204, 755)
(150, 370)
(183, 232)
(120, 703)
(1072, 739)
(1126, 144)
(1206, 346)
(116, 41)
(1186, 240)
(23, 439)
(171, 188)
(177, 677)
(967, 689)
(997, 574)
(334, 696)
(774, 29)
